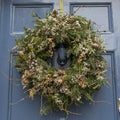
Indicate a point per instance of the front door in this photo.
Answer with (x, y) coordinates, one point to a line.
(16, 14)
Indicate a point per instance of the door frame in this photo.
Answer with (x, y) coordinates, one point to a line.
(115, 69)
(0, 17)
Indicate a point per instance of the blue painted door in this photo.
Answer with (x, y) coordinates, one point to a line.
(14, 15)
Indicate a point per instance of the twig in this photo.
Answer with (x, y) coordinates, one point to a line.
(19, 100)
(73, 113)
(77, 9)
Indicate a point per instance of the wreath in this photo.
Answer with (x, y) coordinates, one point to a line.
(84, 70)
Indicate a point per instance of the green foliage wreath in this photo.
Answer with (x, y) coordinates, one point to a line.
(61, 87)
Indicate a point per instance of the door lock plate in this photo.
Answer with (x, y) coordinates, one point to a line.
(119, 104)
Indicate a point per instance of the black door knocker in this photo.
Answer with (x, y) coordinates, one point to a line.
(60, 59)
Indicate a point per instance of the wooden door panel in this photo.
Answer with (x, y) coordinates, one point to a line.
(94, 11)
(21, 15)
(15, 15)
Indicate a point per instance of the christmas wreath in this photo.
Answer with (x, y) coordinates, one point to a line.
(84, 70)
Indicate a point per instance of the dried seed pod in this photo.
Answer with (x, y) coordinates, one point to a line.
(20, 53)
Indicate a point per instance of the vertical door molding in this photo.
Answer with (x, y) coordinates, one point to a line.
(0, 15)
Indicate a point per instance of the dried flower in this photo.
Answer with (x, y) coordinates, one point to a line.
(60, 81)
(54, 12)
(20, 53)
(55, 75)
(83, 84)
(95, 45)
(49, 40)
(32, 92)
